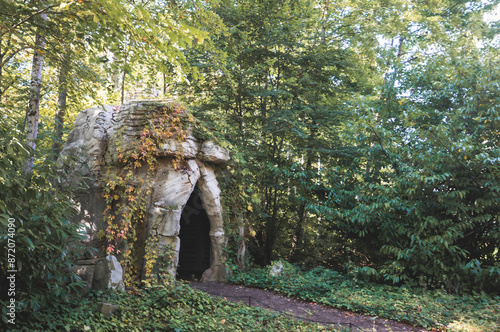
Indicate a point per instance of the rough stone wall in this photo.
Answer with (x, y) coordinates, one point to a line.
(98, 133)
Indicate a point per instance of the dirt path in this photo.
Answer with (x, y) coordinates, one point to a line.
(301, 309)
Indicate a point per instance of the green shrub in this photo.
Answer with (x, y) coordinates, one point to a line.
(43, 241)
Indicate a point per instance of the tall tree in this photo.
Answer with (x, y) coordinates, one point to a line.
(62, 96)
(33, 111)
(418, 210)
(276, 91)
(155, 37)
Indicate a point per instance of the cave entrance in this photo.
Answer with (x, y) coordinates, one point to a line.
(195, 250)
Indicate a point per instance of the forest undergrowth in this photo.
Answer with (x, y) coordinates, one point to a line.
(162, 307)
(428, 308)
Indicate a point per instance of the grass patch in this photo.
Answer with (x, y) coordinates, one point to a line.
(424, 308)
(159, 308)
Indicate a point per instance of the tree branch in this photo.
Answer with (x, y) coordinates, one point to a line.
(11, 29)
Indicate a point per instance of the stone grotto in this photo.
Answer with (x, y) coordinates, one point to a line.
(180, 190)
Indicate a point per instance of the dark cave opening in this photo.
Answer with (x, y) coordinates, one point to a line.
(195, 249)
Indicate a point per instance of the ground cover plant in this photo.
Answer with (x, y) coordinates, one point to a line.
(161, 307)
(431, 309)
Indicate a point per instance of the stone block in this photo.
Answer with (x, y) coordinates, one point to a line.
(212, 153)
(188, 149)
(108, 274)
(165, 221)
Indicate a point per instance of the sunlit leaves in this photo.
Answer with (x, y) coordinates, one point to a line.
(429, 156)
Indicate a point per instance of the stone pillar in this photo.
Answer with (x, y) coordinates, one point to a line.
(210, 196)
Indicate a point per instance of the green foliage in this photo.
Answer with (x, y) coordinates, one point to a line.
(364, 136)
(116, 47)
(271, 95)
(419, 307)
(45, 240)
(426, 193)
(162, 308)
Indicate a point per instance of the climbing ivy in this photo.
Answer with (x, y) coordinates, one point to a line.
(127, 194)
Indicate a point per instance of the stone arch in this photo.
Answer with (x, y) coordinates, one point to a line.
(171, 195)
(210, 196)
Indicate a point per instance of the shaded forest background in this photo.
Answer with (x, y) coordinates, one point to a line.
(364, 134)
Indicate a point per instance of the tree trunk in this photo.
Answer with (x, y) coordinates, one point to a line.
(1, 66)
(123, 77)
(61, 104)
(240, 257)
(298, 236)
(32, 114)
(164, 84)
(6, 54)
(271, 226)
(271, 230)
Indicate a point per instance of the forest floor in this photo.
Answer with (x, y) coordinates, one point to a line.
(301, 309)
